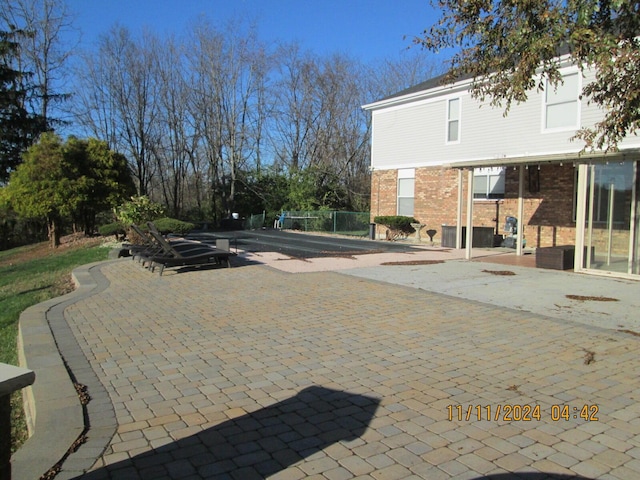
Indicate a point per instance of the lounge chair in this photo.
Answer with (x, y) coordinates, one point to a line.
(186, 255)
(173, 240)
(150, 246)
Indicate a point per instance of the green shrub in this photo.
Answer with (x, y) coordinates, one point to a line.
(171, 225)
(399, 226)
(114, 228)
(138, 210)
(396, 222)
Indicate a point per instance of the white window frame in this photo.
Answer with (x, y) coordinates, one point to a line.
(406, 174)
(449, 120)
(488, 173)
(551, 91)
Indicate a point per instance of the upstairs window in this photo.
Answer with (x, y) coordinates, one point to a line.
(453, 120)
(488, 183)
(406, 187)
(561, 104)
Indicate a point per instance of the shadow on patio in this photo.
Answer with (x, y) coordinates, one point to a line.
(258, 444)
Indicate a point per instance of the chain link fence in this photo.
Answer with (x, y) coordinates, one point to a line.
(328, 221)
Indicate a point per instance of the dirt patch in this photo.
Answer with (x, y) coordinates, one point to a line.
(349, 254)
(589, 357)
(630, 332)
(514, 388)
(63, 285)
(499, 272)
(414, 262)
(43, 249)
(587, 298)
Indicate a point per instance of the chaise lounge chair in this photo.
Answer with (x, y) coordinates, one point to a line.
(150, 247)
(196, 254)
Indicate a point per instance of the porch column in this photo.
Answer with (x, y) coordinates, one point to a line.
(467, 253)
(459, 213)
(581, 217)
(520, 211)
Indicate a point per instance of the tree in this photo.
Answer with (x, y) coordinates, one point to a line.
(46, 25)
(18, 127)
(510, 47)
(295, 113)
(40, 186)
(72, 180)
(266, 190)
(118, 97)
(320, 133)
(176, 152)
(102, 179)
(230, 70)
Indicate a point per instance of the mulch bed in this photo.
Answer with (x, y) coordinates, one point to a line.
(499, 272)
(586, 298)
(414, 262)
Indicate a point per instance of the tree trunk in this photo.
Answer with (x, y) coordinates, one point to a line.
(53, 230)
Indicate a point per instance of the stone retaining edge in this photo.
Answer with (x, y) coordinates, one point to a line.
(55, 416)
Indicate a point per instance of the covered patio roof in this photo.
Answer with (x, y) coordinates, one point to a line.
(578, 157)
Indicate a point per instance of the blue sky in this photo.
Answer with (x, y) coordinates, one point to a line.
(365, 29)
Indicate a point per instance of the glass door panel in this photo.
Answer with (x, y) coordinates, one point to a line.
(611, 201)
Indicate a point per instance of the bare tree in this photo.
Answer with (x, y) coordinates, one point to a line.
(342, 130)
(177, 147)
(295, 113)
(230, 80)
(119, 99)
(197, 117)
(393, 75)
(319, 125)
(44, 52)
(203, 49)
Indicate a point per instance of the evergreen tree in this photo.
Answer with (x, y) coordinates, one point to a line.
(73, 181)
(18, 128)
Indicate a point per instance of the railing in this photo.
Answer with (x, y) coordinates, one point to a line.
(11, 379)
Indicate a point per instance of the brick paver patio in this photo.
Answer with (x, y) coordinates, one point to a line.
(252, 373)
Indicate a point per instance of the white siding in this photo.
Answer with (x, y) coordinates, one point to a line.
(402, 137)
(413, 134)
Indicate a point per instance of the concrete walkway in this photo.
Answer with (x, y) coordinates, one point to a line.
(255, 372)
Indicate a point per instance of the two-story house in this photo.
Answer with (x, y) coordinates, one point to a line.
(447, 159)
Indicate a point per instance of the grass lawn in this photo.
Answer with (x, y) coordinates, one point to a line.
(30, 275)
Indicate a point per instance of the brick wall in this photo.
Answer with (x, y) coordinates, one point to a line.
(384, 192)
(436, 196)
(549, 212)
(548, 204)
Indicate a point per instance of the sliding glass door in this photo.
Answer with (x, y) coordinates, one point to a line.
(611, 208)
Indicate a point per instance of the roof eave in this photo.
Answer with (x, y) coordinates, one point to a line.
(415, 96)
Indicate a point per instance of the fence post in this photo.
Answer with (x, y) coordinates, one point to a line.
(11, 379)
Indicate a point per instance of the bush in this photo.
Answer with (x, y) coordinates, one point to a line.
(115, 228)
(138, 210)
(171, 225)
(398, 225)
